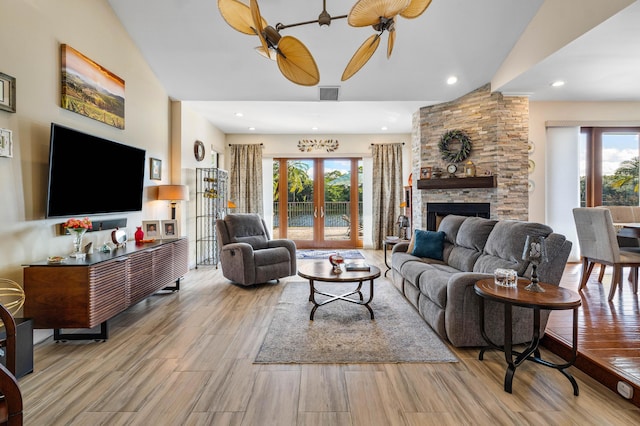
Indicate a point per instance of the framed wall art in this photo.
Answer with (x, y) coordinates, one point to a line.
(155, 169)
(90, 89)
(7, 93)
(6, 143)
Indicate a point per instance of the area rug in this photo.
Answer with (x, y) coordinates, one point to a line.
(324, 254)
(343, 332)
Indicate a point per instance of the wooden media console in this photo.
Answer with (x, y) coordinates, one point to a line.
(77, 294)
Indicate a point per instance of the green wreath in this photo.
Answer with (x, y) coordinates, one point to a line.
(455, 156)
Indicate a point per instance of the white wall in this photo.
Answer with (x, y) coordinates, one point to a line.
(277, 146)
(187, 127)
(30, 39)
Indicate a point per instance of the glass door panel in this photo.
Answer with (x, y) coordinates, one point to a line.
(301, 208)
(620, 169)
(337, 200)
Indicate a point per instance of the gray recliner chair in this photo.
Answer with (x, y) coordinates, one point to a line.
(248, 255)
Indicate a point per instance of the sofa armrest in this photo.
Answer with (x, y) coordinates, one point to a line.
(462, 323)
(237, 262)
(289, 245)
(400, 247)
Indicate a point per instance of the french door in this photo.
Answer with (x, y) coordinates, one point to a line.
(318, 201)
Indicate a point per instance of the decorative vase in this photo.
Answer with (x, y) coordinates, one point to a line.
(336, 260)
(139, 234)
(77, 234)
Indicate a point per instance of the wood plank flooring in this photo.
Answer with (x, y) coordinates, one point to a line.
(187, 359)
(608, 332)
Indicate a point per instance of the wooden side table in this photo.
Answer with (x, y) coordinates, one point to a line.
(554, 298)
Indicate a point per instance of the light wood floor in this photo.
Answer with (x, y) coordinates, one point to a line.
(187, 358)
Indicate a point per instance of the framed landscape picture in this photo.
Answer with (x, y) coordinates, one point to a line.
(90, 89)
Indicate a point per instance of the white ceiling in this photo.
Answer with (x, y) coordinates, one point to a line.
(199, 58)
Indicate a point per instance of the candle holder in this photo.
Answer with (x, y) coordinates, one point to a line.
(535, 251)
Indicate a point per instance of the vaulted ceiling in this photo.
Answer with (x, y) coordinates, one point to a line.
(521, 47)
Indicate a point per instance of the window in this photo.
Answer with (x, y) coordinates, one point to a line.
(609, 166)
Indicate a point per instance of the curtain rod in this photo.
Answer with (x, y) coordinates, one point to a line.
(261, 144)
(385, 144)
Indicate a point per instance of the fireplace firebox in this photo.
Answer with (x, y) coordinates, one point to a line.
(436, 211)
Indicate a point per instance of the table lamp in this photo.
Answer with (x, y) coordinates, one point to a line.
(535, 251)
(173, 193)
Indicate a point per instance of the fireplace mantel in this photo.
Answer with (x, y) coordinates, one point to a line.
(459, 182)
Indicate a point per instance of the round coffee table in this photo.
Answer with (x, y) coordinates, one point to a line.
(322, 271)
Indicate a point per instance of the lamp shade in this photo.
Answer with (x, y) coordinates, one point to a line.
(173, 192)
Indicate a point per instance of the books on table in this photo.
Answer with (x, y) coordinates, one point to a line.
(357, 266)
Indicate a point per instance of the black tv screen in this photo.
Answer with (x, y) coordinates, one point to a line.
(92, 175)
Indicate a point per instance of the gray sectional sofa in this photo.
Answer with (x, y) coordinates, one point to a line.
(442, 290)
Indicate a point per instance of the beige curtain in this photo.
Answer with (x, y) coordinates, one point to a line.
(387, 190)
(245, 178)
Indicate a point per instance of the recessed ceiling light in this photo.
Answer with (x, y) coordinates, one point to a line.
(452, 80)
(383, 128)
(252, 128)
(558, 83)
(239, 114)
(314, 128)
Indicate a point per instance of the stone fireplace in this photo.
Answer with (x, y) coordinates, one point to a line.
(498, 127)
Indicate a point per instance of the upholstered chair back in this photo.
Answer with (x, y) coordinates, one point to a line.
(245, 228)
(596, 234)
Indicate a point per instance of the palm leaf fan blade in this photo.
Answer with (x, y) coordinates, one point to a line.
(237, 15)
(257, 23)
(369, 12)
(415, 9)
(390, 42)
(296, 63)
(362, 55)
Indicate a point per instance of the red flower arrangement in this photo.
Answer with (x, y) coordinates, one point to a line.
(78, 223)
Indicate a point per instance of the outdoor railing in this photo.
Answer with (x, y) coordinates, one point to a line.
(301, 213)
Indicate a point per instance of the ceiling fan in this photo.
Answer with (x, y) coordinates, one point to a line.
(294, 59)
(381, 15)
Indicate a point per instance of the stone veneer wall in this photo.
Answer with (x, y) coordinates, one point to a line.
(498, 127)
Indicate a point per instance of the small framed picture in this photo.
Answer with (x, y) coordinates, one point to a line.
(425, 173)
(6, 143)
(151, 229)
(170, 229)
(155, 169)
(7, 93)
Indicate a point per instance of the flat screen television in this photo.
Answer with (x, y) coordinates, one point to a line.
(92, 175)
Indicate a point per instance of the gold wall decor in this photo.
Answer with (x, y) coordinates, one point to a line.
(307, 145)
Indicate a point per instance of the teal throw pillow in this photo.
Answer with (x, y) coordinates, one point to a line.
(429, 244)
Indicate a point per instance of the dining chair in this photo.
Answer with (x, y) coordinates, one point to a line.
(598, 244)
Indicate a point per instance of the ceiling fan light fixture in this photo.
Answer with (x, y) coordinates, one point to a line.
(269, 53)
(324, 19)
